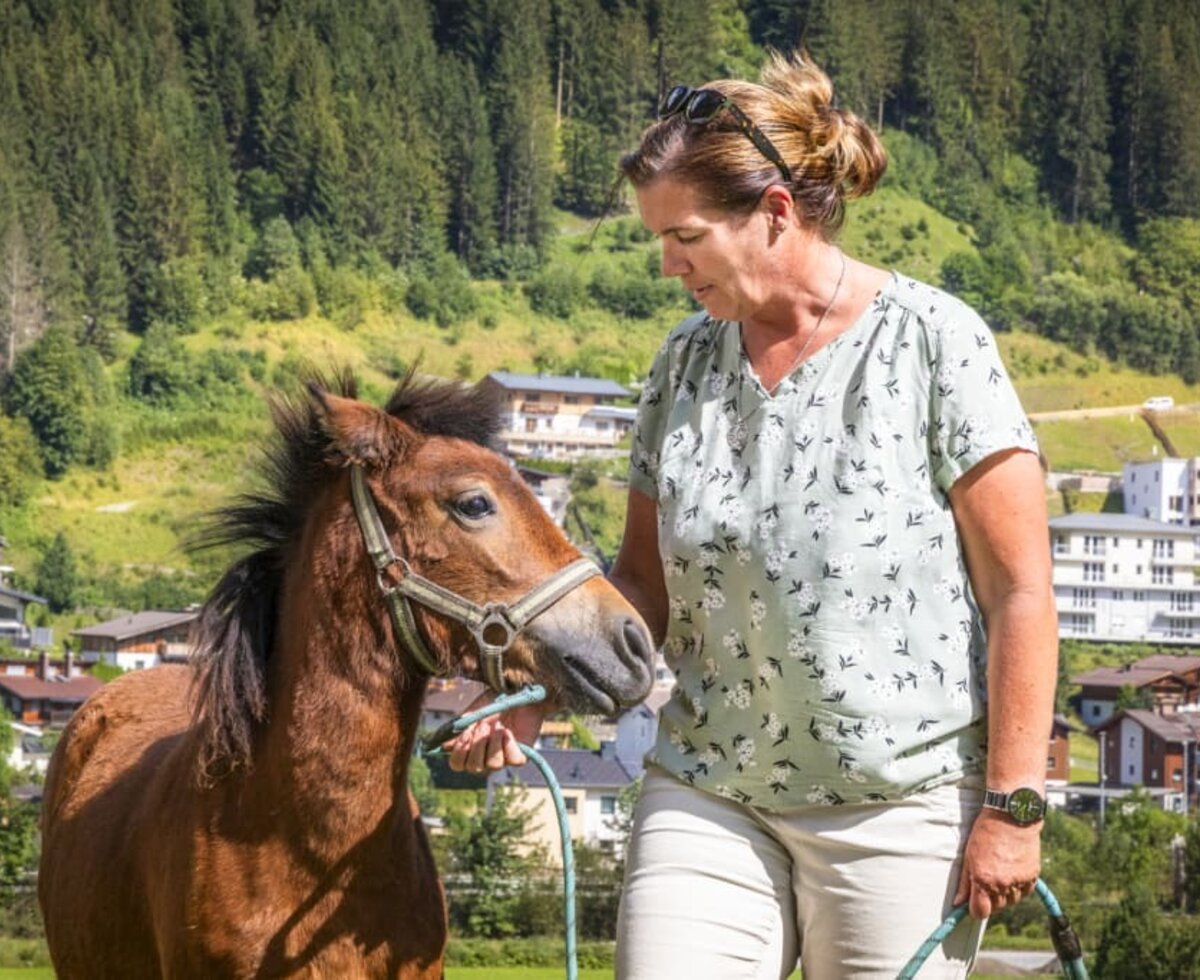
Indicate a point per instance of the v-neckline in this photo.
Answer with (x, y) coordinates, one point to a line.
(746, 368)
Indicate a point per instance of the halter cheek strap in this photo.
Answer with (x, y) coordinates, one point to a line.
(481, 621)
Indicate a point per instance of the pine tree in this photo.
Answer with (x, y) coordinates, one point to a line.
(57, 577)
(48, 388)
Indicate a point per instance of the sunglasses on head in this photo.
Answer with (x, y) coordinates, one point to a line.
(701, 105)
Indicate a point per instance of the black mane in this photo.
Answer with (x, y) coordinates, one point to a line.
(236, 629)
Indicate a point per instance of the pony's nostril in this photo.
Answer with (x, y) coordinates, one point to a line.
(636, 642)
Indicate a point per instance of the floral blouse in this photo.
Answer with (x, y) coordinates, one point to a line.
(826, 645)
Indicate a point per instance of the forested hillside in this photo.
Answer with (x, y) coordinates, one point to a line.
(198, 195)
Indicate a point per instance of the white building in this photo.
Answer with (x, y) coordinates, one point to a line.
(561, 417)
(139, 640)
(1121, 577)
(1163, 490)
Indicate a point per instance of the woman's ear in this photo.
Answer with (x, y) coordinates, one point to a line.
(779, 206)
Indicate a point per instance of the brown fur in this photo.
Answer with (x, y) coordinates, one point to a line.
(253, 820)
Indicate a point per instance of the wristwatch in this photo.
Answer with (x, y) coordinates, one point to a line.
(1025, 806)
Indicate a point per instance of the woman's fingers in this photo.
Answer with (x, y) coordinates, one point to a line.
(485, 747)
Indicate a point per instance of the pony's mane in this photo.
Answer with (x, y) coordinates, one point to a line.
(235, 631)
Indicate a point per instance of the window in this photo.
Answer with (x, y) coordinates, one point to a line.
(1131, 770)
(1132, 741)
(1050, 762)
(1084, 598)
(1093, 571)
(533, 396)
(1164, 548)
(1114, 542)
(1118, 595)
(1139, 541)
(1162, 574)
(571, 804)
(530, 425)
(1061, 547)
(1181, 601)
(608, 805)
(571, 399)
(1139, 569)
(1154, 774)
(1177, 776)
(1116, 569)
(1095, 711)
(1175, 502)
(1139, 596)
(1093, 544)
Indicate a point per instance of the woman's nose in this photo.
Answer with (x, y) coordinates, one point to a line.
(673, 264)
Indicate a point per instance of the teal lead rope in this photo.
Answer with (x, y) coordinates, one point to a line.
(431, 745)
(1066, 943)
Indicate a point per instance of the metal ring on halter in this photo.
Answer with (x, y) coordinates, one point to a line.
(386, 587)
(494, 614)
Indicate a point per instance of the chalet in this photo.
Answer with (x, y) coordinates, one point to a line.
(46, 697)
(1058, 760)
(561, 417)
(1167, 683)
(13, 606)
(1144, 748)
(139, 640)
(591, 781)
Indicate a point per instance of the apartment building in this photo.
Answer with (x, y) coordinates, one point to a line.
(1165, 490)
(1126, 577)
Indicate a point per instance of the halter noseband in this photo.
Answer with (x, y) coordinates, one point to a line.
(478, 620)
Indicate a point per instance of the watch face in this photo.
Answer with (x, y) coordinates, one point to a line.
(1025, 805)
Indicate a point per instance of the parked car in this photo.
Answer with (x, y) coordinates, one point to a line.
(1159, 403)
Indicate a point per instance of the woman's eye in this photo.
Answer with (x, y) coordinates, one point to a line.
(473, 506)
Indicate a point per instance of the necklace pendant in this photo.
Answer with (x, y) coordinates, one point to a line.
(737, 436)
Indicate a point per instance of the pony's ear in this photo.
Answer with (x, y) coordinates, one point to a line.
(359, 433)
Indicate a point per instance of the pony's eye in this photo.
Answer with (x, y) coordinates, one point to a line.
(473, 506)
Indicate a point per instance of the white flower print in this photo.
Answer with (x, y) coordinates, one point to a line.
(856, 609)
(711, 670)
(731, 641)
(806, 596)
(766, 672)
(821, 518)
(758, 612)
(738, 696)
(684, 520)
(766, 525)
(675, 737)
(709, 557)
(709, 757)
(731, 509)
(879, 728)
(852, 772)
(741, 553)
(679, 607)
(718, 381)
(770, 436)
(820, 795)
(778, 776)
(883, 689)
(745, 753)
(714, 598)
(797, 645)
(773, 726)
(726, 793)
(773, 562)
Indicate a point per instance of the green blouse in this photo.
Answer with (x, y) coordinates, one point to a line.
(826, 645)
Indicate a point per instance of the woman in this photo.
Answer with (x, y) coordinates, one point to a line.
(833, 489)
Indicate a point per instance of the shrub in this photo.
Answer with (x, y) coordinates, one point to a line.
(159, 371)
(557, 291)
(20, 462)
(630, 295)
(444, 296)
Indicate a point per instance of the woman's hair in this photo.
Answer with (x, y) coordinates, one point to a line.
(833, 155)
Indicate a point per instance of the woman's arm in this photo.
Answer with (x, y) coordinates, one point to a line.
(1000, 508)
(637, 572)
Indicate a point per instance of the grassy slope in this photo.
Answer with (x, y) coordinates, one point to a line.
(177, 465)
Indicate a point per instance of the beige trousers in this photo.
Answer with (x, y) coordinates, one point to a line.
(719, 891)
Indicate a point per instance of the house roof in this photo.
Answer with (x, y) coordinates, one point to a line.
(1178, 727)
(135, 624)
(23, 596)
(57, 688)
(1116, 522)
(573, 768)
(1148, 670)
(612, 412)
(454, 698)
(559, 385)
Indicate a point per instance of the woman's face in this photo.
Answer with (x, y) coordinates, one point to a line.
(722, 259)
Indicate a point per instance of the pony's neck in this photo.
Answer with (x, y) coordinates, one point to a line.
(343, 718)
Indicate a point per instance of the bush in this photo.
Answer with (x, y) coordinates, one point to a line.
(20, 462)
(159, 371)
(445, 296)
(630, 295)
(557, 291)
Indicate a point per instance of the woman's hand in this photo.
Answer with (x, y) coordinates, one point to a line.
(492, 743)
(1000, 865)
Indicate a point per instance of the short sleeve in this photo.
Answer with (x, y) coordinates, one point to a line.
(653, 406)
(974, 409)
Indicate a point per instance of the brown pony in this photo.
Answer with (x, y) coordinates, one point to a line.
(249, 816)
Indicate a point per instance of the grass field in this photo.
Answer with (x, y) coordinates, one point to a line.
(1102, 444)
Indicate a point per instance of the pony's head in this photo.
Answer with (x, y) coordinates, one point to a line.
(456, 512)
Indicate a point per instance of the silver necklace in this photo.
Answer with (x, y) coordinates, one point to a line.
(739, 434)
